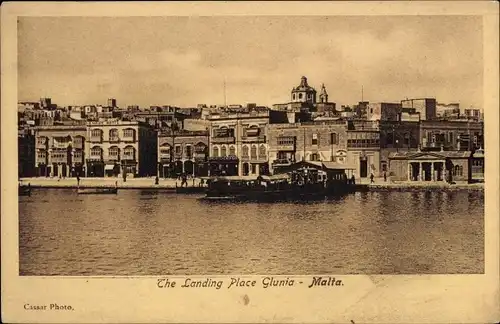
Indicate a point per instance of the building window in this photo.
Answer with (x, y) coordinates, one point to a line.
(78, 140)
(232, 151)
(407, 139)
(223, 151)
(216, 151)
(244, 152)
(314, 157)
(458, 170)
(114, 152)
(129, 153)
(286, 140)
(96, 133)
(334, 139)
(177, 149)
(77, 155)
(300, 95)
(450, 137)
(293, 96)
(41, 140)
(41, 155)
(200, 148)
(253, 152)
(189, 152)
(96, 151)
(262, 152)
(129, 133)
(113, 135)
(315, 139)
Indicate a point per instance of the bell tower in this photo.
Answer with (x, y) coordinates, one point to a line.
(323, 95)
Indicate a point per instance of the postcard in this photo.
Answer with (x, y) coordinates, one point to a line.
(250, 162)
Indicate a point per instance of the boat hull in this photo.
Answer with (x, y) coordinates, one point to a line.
(106, 191)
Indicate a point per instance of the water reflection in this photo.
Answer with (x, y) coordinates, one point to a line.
(140, 232)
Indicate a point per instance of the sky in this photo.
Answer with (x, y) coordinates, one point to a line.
(183, 61)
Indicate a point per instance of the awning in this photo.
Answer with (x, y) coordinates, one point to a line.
(109, 167)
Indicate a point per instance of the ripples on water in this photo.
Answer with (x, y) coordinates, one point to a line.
(151, 233)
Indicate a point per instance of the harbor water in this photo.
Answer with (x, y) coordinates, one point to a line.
(140, 232)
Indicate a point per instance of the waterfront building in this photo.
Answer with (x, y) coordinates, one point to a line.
(462, 135)
(182, 152)
(309, 141)
(161, 117)
(60, 150)
(431, 166)
(477, 165)
(363, 147)
(397, 136)
(451, 110)
(474, 114)
(425, 106)
(115, 147)
(26, 152)
(238, 144)
(383, 111)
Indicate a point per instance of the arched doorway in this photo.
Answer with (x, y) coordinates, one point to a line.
(246, 169)
(188, 167)
(178, 168)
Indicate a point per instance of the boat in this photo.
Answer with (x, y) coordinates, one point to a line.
(304, 181)
(97, 191)
(24, 190)
(304, 184)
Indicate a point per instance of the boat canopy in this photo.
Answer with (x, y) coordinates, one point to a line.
(337, 166)
(275, 177)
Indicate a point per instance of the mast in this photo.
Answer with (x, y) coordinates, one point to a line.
(225, 103)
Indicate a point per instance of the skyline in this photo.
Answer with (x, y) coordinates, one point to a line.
(178, 61)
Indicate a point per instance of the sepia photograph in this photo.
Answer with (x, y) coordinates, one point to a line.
(227, 151)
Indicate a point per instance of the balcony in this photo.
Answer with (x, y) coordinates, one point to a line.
(95, 139)
(41, 144)
(285, 147)
(128, 139)
(254, 139)
(165, 156)
(114, 139)
(78, 145)
(223, 140)
(128, 157)
(254, 159)
(282, 162)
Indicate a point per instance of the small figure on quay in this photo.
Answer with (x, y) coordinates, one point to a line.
(385, 176)
(78, 179)
(184, 180)
(353, 179)
(371, 178)
(157, 180)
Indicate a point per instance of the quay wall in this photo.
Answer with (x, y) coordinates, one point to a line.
(170, 184)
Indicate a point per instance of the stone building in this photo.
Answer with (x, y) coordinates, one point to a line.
(425, 106)
(238, 143)
(60, 150)
(309, 141)
(117, 147)
(26, 153)
(383, 111)
(182, 152)
(430, 166)
(363, 147)
(462, 135)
